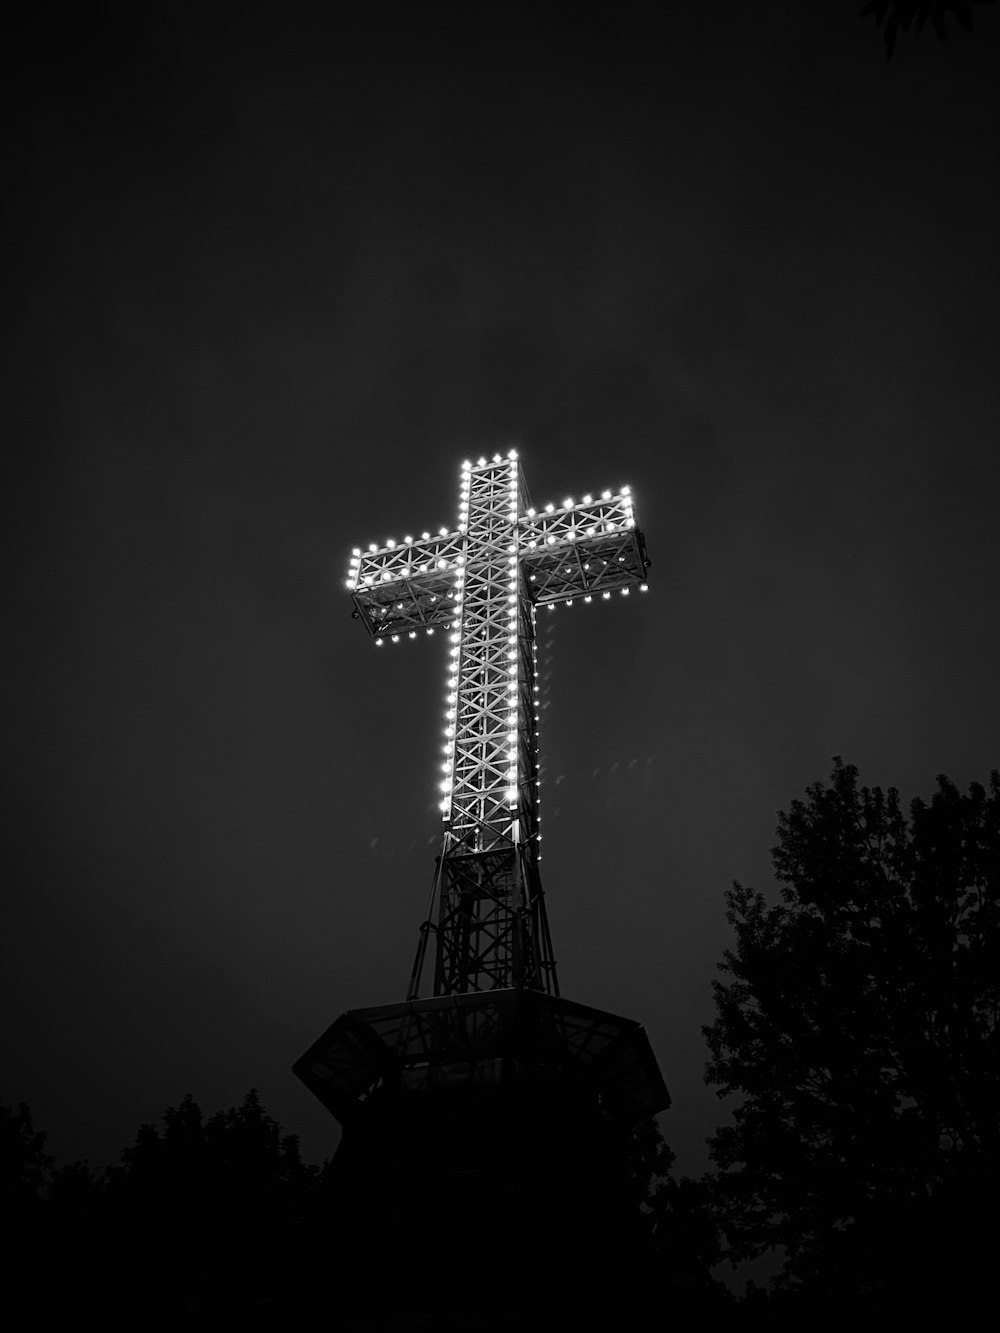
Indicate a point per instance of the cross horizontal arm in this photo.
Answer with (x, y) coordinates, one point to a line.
(406, 587)
(592, 518)
(402, 560)
(583, 549)
(615, 562)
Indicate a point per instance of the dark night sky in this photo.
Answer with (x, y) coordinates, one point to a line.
(273, 277)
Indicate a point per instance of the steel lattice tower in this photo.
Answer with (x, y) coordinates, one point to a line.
(495, 1056)
(482, 583)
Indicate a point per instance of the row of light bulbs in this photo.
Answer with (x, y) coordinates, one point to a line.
(388, 576)
(588, 597)
(568, 503)
(511, 454)
(447, 786)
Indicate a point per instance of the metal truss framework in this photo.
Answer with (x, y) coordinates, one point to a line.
(482, 584)
(450, 1042)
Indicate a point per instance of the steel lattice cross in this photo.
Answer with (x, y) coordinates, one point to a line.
(482, 583)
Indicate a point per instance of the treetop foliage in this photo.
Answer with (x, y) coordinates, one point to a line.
(24, 1162)
(242, 1149)
(894, 16)
(857, 1019)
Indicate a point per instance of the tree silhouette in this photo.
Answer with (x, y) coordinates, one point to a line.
(202, 1218)
(678, 1231)
(858, 1021)
(24, 1163)
(894, 16)
(24, 1171)
(50, 1219)
(218, 1219)
(206, 1211)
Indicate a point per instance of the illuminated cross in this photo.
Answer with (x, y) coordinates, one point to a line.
(481, 584)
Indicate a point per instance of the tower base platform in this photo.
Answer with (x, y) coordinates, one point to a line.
(482, 1182)
(484, 1040)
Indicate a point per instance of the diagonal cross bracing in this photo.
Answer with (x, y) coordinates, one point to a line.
(480, 585)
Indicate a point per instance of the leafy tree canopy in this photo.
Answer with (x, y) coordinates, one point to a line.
(894, 16)
(236, 1163)
(857, 1020)
(202, 1216)
(24, 1163)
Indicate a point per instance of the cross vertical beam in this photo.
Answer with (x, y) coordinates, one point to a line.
(491, 930)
